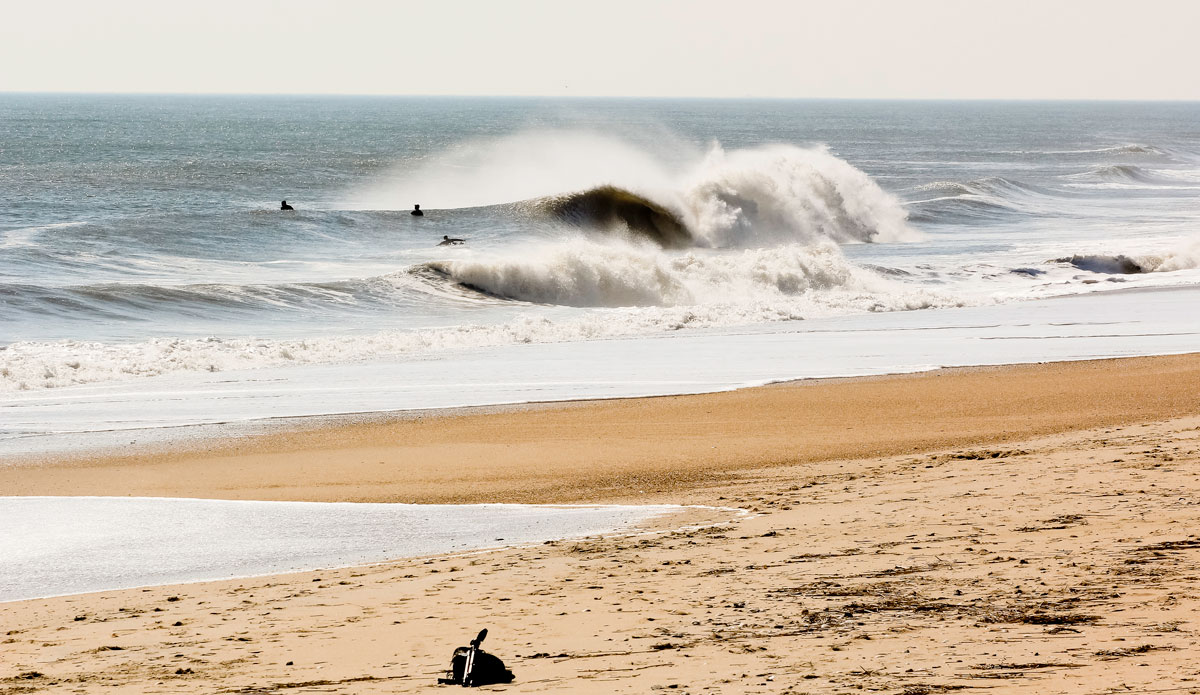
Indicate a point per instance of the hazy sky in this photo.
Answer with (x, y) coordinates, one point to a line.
(1097, 49)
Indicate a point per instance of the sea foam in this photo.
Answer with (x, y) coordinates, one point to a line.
(590, 274)
(767, 289)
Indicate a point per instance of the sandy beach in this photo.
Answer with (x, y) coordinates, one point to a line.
(783, 349)
(1025, 528)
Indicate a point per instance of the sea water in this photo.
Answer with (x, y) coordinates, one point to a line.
(148, 277)
(151, 288)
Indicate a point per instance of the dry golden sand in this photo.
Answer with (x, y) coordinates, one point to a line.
(1021, 528)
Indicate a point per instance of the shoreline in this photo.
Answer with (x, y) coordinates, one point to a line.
(114, 414)
(628, 449)
(1014, 528)
(237, 430)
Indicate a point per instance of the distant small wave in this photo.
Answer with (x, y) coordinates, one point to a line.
(979, 200)
(1124, 172)
(1132, 148)
(989, 185)
(1131, 175)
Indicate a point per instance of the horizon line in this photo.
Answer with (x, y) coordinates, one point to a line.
(603, 96)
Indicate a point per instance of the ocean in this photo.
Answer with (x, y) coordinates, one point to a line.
(613, 247)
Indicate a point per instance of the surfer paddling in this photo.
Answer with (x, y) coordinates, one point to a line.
(416, 211)
(451, 241)
(285, 206)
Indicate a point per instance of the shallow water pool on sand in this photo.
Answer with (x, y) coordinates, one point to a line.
(53, 546)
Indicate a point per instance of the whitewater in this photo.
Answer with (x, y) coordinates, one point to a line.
(148, 279)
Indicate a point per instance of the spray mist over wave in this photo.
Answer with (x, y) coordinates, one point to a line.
(764, 196)
(525, 166)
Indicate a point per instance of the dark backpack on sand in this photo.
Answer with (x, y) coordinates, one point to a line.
(471, 666)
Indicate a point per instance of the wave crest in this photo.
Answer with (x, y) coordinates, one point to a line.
(747, 199)
(609, 206)
(785, 194)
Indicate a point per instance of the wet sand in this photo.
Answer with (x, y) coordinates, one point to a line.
(624, 450)
(1021, 528)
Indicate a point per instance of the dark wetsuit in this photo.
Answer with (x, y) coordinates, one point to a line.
(285, 206)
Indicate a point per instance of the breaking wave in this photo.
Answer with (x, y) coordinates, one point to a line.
(743, 198)
(746, 199)
(785, 194)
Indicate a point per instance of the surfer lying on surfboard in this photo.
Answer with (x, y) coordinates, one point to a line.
(451, 241)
